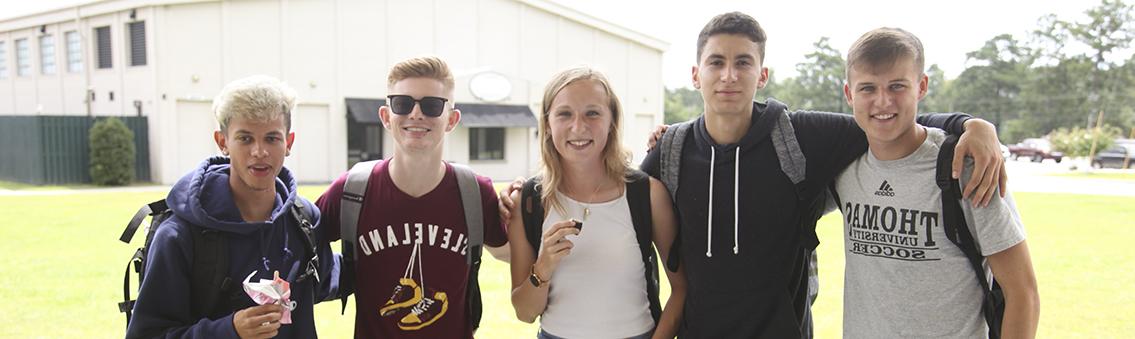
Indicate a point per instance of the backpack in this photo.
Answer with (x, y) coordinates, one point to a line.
(352, 202)
(792, 164)
(957, 230)
(638, 199)
(214, 293)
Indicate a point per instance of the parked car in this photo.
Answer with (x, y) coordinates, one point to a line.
(1036, 150)
(1117, 156)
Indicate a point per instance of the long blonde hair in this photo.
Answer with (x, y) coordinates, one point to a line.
(616, 160)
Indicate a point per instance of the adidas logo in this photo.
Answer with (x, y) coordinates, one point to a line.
(885, 190)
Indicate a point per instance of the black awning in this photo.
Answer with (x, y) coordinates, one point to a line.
(364, 110)
(492, 115)
(472, 115)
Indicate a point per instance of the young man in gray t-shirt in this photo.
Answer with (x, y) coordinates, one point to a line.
(904, 278)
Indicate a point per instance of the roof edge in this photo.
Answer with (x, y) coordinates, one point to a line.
(589, 20)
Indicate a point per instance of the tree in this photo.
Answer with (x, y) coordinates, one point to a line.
(937, 99)
(989, 89)
(682, 104)
(1108, 30)
(821, 78)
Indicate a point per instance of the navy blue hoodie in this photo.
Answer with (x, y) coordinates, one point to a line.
(203, 198)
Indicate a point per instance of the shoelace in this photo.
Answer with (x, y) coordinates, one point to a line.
(423, 305)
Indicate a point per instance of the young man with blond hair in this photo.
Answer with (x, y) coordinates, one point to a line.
(904, 278)
(245, 204)
(411, 274)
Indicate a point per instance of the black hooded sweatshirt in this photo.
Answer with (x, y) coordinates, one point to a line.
(748, 275)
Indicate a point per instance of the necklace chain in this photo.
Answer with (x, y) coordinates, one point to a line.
(587, 205)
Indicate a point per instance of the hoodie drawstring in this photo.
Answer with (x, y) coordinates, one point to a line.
(736, 199)
(736, 177)
(709, 223)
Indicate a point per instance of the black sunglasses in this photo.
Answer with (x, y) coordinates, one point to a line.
(404, 104)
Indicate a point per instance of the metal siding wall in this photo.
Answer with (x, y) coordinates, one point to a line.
(55, 149)
(20, 149)
(141, 146)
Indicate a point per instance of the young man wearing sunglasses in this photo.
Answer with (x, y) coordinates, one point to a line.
(410, 274)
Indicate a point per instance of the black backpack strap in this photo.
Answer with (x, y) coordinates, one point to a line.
(835, 196)
(138, 261)
(957, 230)
(303, 221)
(151, 209)
(532, 212)
(209, 281)
(638, 199)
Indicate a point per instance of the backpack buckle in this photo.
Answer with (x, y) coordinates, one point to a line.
(310, 270)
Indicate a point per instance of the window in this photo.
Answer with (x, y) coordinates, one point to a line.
(486, 143)
(3, 60)
(74, 52)
(137, 43)
(102, 45)
(23, 58)
(46, 55)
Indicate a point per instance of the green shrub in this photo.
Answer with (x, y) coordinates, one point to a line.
(1077, 142)
(112, 153)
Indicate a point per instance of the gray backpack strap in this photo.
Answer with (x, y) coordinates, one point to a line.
(471, 201)
(792, 161)
(351, 205)
(670, 147)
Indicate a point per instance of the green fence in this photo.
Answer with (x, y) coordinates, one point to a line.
(54, 149)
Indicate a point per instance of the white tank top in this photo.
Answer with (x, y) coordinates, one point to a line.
(598, 291)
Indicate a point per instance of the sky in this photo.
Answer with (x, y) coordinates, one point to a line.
(948, 29)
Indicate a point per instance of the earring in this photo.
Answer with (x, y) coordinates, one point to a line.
(225, 153)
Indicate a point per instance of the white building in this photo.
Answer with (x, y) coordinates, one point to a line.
(166, 59)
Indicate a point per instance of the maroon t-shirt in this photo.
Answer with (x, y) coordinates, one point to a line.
(410, 266)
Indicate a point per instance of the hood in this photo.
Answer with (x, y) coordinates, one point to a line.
(203, 198)
(765, 117)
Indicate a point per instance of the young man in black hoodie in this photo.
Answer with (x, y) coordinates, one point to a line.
(747, 240)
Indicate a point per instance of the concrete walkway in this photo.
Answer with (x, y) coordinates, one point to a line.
(1023, 177)
(49, 192)
(1044, 178)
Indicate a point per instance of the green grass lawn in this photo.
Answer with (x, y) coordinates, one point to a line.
(61, 274)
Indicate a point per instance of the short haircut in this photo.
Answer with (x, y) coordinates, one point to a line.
(734, 23)
(430, 67)
(882, 47)
(258, 97)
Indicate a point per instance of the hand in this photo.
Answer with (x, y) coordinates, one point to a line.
(555, 247)
(980, 142)
(258, 321)
(505, 200)
(655, 136)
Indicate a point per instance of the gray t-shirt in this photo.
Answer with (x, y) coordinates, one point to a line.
(904, 278)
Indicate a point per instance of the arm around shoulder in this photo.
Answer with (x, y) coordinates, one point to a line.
(665, 232)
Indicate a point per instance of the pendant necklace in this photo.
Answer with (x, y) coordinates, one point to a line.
(587, 206)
